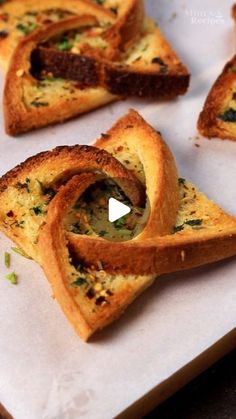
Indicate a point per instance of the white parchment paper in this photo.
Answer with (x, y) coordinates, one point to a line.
(46, 372)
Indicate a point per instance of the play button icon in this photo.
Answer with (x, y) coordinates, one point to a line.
(117, 210)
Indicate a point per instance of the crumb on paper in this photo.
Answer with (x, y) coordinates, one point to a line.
(173, 17)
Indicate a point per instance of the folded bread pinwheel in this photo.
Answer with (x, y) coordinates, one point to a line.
(50, 205)
(75, 65)
(121, 21)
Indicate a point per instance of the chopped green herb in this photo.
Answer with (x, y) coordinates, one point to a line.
(78, 37)
(37, 210)
(228, 116)
(181, 181)
(7, 259)
(20, 252)
(102, 233)
(64, 45)
(12, 278)
(100, 2)
(45, 190)
(51, 78)
(19, 224)
(24, 185)
(105, 136)
(76, 228)
(178, 228)
(26, 29)
(193, 223)
(158, 60)
(120, 223)
(79, 282)
(38, 104)
(31, 13)
(232, 69)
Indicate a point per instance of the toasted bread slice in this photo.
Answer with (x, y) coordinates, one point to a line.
(218, 117)
(91, 297)
(92, 294)
(203, 234)
(19, 18)
(202, 231)
(149, 68)
(121, 22)
(27, 99)
(141, 149)
(31, 103)
(25, 192)
(94, 299)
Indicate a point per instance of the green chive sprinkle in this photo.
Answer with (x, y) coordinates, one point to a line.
(12, 278)
(7, 259)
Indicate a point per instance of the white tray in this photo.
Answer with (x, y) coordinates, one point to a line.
(180, 325)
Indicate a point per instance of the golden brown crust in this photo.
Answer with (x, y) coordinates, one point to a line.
(24, 111)
(83, 313)
(125, 29)
(161, 188)
(15, 10)
(209, 123)
(155, 255)
(130, 82)
(158, 164)
(128, 26)
(50, 169)
(160, 255)
(21, 116)
(155, 252)
(160, 74)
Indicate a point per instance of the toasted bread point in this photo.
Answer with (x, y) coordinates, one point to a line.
(218, 117)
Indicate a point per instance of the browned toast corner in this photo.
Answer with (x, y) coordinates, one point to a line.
(218, 117)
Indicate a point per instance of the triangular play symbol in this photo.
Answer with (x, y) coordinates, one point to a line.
(117, 210)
